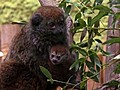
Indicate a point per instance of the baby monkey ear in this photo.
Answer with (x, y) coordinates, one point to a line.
(36, 19)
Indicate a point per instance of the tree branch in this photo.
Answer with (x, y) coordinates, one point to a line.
(48, 2)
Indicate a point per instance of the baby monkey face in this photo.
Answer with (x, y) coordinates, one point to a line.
(59, 54)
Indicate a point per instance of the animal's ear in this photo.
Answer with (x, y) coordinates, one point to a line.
(36, 19)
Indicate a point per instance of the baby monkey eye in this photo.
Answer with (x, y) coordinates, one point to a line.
(58, 57)
(52, 55)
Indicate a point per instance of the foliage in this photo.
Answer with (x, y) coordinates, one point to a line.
(88, 19)
(87, 22)
(114, 83)
(111, 85)
(46, 73)
(17, 10)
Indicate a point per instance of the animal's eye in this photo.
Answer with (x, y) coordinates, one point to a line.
(36, 20)
(51, 24)
(58, 57)
(52, 56)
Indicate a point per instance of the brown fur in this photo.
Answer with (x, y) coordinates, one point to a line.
(29, 50)
(61, 70)
(14, 75)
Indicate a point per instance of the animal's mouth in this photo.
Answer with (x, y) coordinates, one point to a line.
(55, 62)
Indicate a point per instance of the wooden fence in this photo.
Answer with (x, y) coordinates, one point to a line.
(8, 31)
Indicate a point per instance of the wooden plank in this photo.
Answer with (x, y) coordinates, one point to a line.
(7, 33)
(91, 85)
(114, 49)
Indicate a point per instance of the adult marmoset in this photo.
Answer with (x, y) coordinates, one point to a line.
(46, 28)
(29, 50)
(59, 66)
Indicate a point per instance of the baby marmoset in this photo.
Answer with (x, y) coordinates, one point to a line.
(59, 54)
(59, 65)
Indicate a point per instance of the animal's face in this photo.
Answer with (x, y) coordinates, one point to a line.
(49, 19)
(58, 54)
(48, 25)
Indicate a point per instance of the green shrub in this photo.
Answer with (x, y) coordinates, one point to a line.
(17, 10)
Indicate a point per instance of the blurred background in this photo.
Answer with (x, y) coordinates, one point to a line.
(13, 15)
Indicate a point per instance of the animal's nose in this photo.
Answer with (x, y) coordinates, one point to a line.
(54, 61)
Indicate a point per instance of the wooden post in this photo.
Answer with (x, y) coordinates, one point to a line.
(48, 2)
(114, 48)
(7, 32)
(0, 43)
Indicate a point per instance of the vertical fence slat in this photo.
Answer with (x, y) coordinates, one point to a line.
(114, 48)
(7, 33)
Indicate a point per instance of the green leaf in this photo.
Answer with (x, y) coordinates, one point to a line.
(63, 4)
(83, 34)
(46, 73)
(98, 40)
(112, 83)
(83, 85)
(80, 50)
(92, 76)
(83, 52)
(97, 61)
(89, 19)
(76, 63)
(104, 52)
(112, 41)
(78, 16)
(94, 58)
(117, 6)
(103, 8)
(98, 17)
(84, 9)
(90, 66)
(117, 69)
(98, 68)
(83, 44)
(80, 23)
(117, 16)
(90, 41)
(86, 2)
(67, 11)
(96, 25)
(76, 4)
